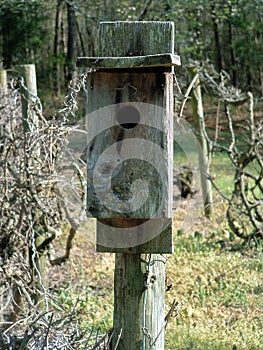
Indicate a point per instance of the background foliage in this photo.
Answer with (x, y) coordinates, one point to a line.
(227, 33)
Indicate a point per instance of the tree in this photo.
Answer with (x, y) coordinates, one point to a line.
(71, 51)
(57, 49)
(23, 20)
(226, 32)
(218, 47)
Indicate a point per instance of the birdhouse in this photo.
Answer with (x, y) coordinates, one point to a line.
(130, 136)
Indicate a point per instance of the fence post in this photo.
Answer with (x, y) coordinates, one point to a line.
(3, 80)
(198, 115)
(134, 73)
(3, 90)
(28, 92)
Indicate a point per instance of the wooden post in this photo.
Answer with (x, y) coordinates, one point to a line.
(29, 77)
(28, 72)
(198, 115)
(29, 92)
(133, 74)
(139, 301)
(3, 80)
(3, 90)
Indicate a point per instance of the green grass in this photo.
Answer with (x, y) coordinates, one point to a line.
(220, 285)
(221, 294)
(222, 170)
(89, 305)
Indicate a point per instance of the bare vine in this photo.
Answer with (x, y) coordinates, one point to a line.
(245, 204)
(31, 209)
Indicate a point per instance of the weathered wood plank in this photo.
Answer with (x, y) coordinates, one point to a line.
(105, 89)
(161, 60)
(120, 39)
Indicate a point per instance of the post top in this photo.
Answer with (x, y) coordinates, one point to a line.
(136, 38)
(138, 22)
(134, 44)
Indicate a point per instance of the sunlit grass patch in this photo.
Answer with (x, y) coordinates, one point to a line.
(84, 284)
(222, 171)
(221, 295)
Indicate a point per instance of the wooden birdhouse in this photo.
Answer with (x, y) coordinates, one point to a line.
(130, 136)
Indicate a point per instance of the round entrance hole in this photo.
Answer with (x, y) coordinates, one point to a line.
(128, 117)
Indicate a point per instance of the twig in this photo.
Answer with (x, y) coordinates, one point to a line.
(173, 309)
(251, 117)
(186, 95)
(118, 339)
(45, 343)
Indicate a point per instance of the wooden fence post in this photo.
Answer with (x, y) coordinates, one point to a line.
(135, 68)
(29, 92)
(198, 115)
(28, 88)
(3, 88)
(3, 80)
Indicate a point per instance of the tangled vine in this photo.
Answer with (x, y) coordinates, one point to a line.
(32, 208)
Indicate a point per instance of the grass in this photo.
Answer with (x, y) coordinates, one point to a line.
(221, 295)
(218, 283)
(219, 287)
(85, 283)
(222, 171)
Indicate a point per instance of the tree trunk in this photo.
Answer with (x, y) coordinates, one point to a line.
(56, 51)
(261, 80)
(231, 47)
(71, 54)
(6, 52)
(218, 47)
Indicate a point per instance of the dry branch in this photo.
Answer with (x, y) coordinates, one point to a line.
(245, 204)
(31, 211)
